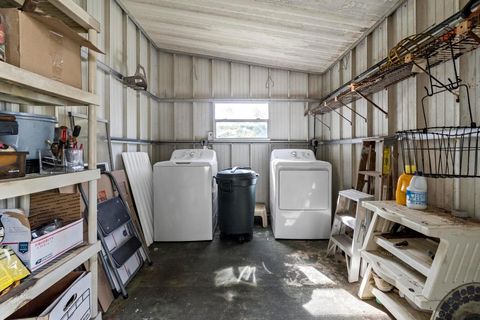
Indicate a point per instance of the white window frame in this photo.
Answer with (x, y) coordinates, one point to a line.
(241, 120)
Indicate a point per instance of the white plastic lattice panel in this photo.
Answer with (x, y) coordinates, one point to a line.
(140, 174)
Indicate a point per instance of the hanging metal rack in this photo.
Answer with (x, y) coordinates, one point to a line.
(447, 40)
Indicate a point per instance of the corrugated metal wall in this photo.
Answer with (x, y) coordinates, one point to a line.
(176, 76)
(136, 115)
(402, 101)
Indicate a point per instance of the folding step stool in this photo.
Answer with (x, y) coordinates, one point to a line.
(349, 229)
(115, 216)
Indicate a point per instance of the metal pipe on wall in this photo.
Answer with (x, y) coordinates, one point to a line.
(158, 142)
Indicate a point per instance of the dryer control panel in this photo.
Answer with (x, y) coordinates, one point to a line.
(293, 154)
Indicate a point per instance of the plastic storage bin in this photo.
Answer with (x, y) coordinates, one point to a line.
(12, 164)
(236, 202)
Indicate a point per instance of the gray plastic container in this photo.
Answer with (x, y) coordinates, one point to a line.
(33, 132)
(236, 202)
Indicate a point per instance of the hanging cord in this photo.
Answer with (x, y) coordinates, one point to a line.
(269, 81)
(194, 72)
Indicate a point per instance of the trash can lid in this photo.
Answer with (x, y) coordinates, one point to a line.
(237, 173)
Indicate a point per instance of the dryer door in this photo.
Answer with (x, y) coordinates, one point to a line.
(304, 189)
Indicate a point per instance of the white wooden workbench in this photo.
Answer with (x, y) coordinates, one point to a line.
(445, 255)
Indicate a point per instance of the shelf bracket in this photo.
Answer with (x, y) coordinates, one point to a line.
(373, 103)
(351, 109)
(474, 36)
(341, 115)
(316, 118)
(448, 87)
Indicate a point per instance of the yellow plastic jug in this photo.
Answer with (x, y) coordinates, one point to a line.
(403, 183)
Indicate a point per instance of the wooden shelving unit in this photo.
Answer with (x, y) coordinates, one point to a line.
(39, 281)
(35, 182)
(21, 86)
(424, 266)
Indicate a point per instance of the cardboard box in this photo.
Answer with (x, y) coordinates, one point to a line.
(44, 45)
(46, 206)
(38, 252)
(67, 299)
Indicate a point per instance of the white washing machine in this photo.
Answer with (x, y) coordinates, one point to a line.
(300, 195)
(185, 204)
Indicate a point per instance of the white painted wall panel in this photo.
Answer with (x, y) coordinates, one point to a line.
(240, 78)
(279, 125)
(259, 153)
(165, 75)
(166, 121)
(153, 70)
(223, 155)
(221, 79)
(260, 82)
(154, 120)
(203, 120)
(315, 85)
(298, 122)
(116, 37)
(183, 85)
(130, 47)
(240, 155)
(298, 84)
(116, 114)
(202, 77)
(279, 83)
(183, 121)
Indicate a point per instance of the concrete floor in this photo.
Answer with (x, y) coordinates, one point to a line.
(261, 279)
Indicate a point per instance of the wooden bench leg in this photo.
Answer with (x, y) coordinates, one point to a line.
(365, 290)
(264, 219)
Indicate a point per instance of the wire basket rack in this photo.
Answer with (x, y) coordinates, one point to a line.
(442, 152)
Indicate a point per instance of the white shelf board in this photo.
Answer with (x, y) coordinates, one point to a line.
(66, 10)
(344, 243)
(43, 279)
(21, 86)
(432, 222)
(399, 307)
(33, 183)
(355, 195)
(404, 278)
(415, 254)
(347, 218)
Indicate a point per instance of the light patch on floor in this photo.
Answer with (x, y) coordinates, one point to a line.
(229, 295)
(331, 302)
(299, 275)
(266, 269)
(315, 276)
(228, 276)
(299, 257)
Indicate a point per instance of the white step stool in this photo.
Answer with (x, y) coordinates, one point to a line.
(349, 216)
(261, 211)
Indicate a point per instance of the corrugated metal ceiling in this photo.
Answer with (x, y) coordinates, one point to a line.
(305, 35)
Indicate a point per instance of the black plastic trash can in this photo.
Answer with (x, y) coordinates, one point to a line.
(236, 202)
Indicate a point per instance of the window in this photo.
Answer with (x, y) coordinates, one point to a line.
(241, 120)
